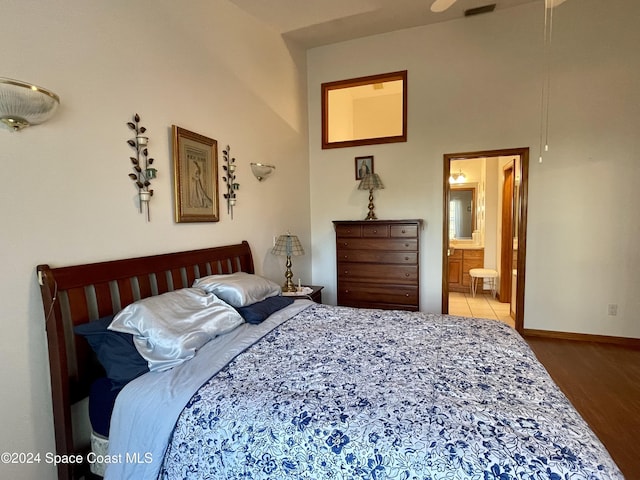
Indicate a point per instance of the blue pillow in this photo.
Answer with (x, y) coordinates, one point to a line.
(257, 312)
(102, 398)
(115, 351)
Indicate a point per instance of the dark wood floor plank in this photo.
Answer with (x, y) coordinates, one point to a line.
(603, 383)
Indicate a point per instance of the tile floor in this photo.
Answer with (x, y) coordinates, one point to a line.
(481, 306)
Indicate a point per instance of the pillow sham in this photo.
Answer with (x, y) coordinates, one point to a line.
(239, 289)
(168, 329)
(259, 311)
(115, 351)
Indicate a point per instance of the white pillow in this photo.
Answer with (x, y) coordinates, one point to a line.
(167, 329)
(239, 289)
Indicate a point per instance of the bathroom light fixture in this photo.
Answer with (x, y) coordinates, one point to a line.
(371, 182)
(262, 170)
(288, 245)
(457, 177)
(23, 104)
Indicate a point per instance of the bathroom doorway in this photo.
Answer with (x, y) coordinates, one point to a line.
(498, 239)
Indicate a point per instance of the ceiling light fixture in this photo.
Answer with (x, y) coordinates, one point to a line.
(441, 5)
(23, 104)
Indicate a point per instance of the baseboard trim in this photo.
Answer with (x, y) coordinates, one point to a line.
(583, 337)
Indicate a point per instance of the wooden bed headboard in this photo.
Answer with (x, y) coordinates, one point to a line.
(79, 294)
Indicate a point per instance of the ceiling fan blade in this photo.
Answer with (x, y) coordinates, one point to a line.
(441, 5)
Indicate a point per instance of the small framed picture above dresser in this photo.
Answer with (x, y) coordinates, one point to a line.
(364, 166)
(378, 263)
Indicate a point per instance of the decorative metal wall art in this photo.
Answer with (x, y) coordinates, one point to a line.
(230, 179)
(144, 173)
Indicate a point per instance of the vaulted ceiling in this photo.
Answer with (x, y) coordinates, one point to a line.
(312, 23)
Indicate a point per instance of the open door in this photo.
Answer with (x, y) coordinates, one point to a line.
(507, 222)
(517, 236)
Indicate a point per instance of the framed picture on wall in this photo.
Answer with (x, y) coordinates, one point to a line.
(364, 166)
(195, 177)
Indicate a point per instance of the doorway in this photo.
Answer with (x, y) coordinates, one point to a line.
(514, 247)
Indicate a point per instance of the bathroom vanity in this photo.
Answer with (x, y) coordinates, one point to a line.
(461, 260)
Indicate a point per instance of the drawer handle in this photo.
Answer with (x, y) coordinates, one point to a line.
(346, 243)
(346, 272)
(406, 258)
(406, 294)
(346, 256)
(375, 231)
(406, 274)
(404, 231)
(406, 244)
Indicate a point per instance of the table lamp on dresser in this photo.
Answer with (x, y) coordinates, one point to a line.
(371, 182)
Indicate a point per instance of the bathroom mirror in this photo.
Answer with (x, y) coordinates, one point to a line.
(365, 110)
(462, 212)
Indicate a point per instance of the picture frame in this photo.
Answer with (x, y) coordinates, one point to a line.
(195, 175)
(364, 166)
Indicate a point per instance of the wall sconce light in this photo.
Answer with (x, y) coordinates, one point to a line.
(262, 170)
(23, 104)
(230, 179)
(144, 173)
(371, 182)
(288, 245)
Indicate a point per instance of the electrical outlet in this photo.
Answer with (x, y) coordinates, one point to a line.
(612, 309)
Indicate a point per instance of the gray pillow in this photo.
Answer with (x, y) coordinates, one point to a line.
(239, 289)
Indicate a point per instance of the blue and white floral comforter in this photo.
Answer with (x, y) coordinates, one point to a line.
(341, 393)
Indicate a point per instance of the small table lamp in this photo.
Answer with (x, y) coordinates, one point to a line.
(288, 245)
(371, 182)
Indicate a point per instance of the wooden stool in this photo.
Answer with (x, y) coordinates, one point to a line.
(483, 273)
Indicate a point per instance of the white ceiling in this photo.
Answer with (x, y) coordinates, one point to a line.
(319, 22)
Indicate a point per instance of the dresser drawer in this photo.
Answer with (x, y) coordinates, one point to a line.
(378, 273)
(350, 293)
(398, 244)
(404, 231)
(348, 231)
(375, 256)
(375, 231)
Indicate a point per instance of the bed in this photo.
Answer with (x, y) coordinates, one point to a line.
(311, 391)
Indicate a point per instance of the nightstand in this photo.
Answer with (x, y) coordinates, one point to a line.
(315, 295)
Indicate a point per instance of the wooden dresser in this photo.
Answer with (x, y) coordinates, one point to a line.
(377, 263)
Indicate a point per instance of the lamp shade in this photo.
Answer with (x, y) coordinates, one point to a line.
(288, 245)
(371, 181)
(23, 104)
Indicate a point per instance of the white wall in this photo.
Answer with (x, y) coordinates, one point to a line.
(474, 84)
(66, 197)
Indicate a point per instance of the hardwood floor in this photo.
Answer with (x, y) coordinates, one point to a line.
(603, 383)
